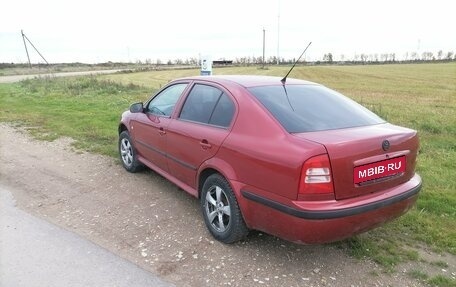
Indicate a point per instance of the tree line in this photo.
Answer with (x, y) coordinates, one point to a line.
(328, 58)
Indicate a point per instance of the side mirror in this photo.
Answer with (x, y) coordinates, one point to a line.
(136, 108)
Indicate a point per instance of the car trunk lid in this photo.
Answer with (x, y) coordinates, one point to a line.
(368, 159)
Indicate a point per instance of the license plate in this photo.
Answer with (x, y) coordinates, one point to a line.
(379, 169)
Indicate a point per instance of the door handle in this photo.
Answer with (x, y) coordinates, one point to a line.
(205, 144)
(161, 131)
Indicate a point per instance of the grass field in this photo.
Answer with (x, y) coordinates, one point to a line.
(420, 96)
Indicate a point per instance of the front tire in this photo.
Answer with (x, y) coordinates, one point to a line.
(221, 211)
(127, 153)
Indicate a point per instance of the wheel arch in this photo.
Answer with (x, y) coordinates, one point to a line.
(204, 174)
(212, 166)
(122, 127)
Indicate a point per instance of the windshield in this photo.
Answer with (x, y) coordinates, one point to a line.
(307, 108)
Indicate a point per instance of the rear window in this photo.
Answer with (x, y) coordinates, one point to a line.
(307, 108)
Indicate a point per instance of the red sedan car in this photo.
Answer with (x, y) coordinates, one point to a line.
(295, 159)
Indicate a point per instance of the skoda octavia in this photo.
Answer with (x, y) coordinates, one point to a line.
(293, 159)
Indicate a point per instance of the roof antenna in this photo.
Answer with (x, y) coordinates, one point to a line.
(285, 78)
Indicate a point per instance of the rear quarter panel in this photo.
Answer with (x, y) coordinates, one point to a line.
(262, 154)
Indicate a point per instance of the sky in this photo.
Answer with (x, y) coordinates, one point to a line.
(95, 31)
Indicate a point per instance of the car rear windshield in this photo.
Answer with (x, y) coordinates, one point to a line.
(307, 108)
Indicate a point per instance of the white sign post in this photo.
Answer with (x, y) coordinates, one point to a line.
(206, 66)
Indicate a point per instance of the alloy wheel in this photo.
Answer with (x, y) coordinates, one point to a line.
(217, 207)
(126, 152)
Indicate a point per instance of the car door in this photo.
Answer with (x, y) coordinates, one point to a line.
(149, 128)
(200, 128)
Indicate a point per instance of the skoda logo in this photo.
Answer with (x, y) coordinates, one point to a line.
(385, 145)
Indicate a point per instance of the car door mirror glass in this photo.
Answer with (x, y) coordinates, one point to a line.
(136, 108)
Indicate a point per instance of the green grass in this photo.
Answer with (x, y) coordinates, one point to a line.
(419, 96)
(383, 246)
(440, 263)
(441, 281)
(437, 281)
(85, 109)
(418, 274)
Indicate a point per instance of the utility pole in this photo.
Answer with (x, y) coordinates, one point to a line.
(264, 44)
(25, 45)
(28, 40)
(278, 33)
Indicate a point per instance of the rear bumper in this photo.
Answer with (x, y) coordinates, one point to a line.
(331, 220)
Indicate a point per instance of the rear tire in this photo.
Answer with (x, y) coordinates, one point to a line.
(127, 153)
(221, 211)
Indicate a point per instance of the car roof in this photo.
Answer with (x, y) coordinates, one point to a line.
(248, 81)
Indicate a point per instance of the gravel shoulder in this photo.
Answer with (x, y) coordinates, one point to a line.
(149, 221)
(37, 253)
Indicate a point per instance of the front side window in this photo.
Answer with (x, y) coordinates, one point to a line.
(307, 108)
(163, 103)
(208, 105)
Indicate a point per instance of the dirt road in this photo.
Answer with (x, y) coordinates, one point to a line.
(17, 78)
(149, 221)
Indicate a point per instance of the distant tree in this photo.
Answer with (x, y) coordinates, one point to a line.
(393, 57)
(328, 58)
(424, 56)
(449, 55)
(439, 54)
(427, 56)
(272, 59)
(414, 56)
(169, 63)
(242, 60)
(364, 57)
(158, 62)
(193, 61)
(342, 57)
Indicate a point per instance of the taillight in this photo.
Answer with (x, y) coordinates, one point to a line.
(316, 180)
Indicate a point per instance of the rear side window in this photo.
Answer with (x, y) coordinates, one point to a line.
(208, 105)
(307, 108)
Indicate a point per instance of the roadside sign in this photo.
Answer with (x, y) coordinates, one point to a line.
(206, 66)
